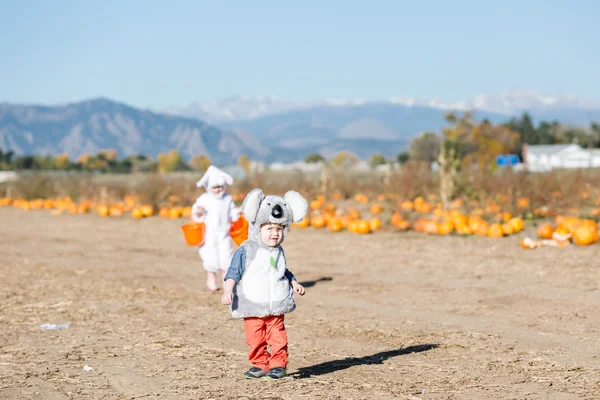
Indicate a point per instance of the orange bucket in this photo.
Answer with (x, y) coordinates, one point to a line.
(194, 233)
(239, 230)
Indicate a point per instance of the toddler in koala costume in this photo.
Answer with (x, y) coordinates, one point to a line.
(258, 286)
(217, 210)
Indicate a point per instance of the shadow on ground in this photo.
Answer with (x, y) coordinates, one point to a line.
(338, 365)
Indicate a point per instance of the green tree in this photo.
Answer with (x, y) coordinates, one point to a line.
(402, 157)
(314, 158)
(376, 160)
(425, 147)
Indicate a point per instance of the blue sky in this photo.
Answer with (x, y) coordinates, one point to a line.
(157, 54)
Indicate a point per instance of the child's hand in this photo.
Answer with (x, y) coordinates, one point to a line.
(227, 298)
(298, 288)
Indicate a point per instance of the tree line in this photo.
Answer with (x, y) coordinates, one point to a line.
(107, 161)
(482, 141)
(477, 143)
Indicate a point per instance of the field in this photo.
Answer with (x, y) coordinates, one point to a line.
(389, 315)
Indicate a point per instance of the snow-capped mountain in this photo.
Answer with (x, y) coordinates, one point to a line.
(238, 108)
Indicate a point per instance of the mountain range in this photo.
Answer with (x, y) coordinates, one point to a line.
(264, 128)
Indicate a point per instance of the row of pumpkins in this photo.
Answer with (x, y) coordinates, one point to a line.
(421, 215)
(130, 205)
(564, 231)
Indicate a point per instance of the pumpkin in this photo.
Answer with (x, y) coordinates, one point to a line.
(318, 221)
(146, 210)
(517, 224)
(376, 209)
(403, 225)
(545, 231)
(463, 230)
(430, 227)
(302, 224)
(585, 235)
(407, 205)
(396, 219)
(561, 234)
(374, 224)
(174, 213)
(335, 225)
(445, 228)
(507, 229)
(102, 211)
(115, 211)
(495, 231)
(363, 227)
(137, 213)
(528, 243)
(482, 229)
(523, 202)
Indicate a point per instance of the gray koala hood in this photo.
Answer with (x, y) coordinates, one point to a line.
(259, 209)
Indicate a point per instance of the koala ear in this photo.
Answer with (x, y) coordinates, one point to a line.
(251, 204)
(297, 204)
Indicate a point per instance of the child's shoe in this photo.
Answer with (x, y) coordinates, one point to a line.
(254, 373)
(276, 373)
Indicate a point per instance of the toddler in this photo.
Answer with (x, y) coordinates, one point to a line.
(258, 286)
(217, 210)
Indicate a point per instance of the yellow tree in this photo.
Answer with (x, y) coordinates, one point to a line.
(109, 154)
(62, 161)
(169, 162)
(344, 159)
(489, 141)
(244, 162)
(83, 159)
(200, 162)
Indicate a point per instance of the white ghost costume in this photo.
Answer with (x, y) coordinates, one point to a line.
(219, 212)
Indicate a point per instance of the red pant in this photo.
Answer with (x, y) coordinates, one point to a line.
(261, 332)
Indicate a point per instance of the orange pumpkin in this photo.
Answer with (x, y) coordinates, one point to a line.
(495, 231)
(507, 229)
(102, 211)
(517, 224)
(528, 243)
(375, 224)
(363, 227)
(335, 225)
(430, 227)
(376, 209)
(137, 213)
(318, 221)
(302, 224)
(396, 219)
(585, 235)
(445, 228)
(407, 206)
(545, 231)
(163, 212)
(403, 225)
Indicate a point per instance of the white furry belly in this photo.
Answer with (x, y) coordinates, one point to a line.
(255, 289)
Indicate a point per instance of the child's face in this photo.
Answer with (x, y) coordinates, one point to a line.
(271, 234)
(216, 189)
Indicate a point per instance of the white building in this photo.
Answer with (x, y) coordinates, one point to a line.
(539, 158)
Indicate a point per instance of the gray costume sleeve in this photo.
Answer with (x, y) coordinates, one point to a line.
(237, 265)
(288, 273)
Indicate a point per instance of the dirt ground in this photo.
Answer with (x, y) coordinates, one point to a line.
(389, 315)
